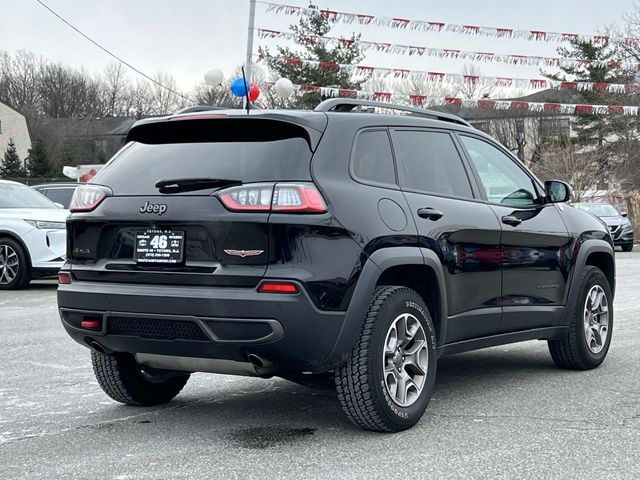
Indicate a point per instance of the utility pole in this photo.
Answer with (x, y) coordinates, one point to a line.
(252, 23)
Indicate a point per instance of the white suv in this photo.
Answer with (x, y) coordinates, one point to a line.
(32, 235)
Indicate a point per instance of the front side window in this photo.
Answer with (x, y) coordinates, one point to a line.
(502, 179)
(373, 161)
(432, 163)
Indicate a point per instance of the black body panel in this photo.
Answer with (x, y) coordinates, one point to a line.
(485, 282)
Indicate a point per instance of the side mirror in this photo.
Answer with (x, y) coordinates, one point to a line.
(59, 205)
(557, 191)
(624, 214)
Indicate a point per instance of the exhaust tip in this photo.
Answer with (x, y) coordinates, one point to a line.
(264, 368)
(96, 346)
(256, 361)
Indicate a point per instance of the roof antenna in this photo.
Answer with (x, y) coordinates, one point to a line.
(246, 91)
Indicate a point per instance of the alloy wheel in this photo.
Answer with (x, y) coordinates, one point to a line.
(9, 264)
(406, 359)
(596, 319)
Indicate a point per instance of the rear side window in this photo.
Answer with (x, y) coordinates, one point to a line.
(60, 195)
(372, 160)
(218, 149)
(432, 163)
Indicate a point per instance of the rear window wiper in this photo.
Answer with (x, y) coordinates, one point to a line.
(178, 185)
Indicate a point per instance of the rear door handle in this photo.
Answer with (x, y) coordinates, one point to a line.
(511, 220)
(430, 213)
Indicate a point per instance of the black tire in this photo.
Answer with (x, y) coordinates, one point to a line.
(571, 351)
(23, 275)
(120, 376)
(627, 247)
(360, 383)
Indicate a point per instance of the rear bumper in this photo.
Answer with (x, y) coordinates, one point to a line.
(203, 322)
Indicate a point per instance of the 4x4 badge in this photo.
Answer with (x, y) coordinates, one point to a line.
(243, 253)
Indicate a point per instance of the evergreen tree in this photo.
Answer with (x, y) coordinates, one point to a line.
(38, 161)
(307, 35)
(12, 165)
(605, 67)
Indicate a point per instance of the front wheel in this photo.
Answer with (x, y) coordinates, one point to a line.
(387, 382)
(627, 247)
(586, 343)
(120, 377)
(15, 271)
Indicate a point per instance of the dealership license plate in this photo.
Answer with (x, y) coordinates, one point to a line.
(159, 246)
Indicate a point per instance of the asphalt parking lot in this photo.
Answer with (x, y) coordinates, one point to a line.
(503, 412)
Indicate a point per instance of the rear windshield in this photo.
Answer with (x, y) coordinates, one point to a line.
(251, 158)
(598, 209)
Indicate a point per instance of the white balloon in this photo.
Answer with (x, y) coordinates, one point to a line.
(214, 77)
(283, 88)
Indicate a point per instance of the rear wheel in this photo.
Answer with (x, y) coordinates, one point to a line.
(627, 247)
(120, 376)
(586, 344)
(15, 272)
(387, 382)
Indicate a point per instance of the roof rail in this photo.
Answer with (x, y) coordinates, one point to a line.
(197, 108)
(348, 104)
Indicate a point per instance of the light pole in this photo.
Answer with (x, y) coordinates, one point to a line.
(252, 23)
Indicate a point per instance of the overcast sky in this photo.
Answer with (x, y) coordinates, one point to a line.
(187, 37)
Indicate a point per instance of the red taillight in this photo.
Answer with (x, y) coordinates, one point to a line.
(88, 197)
(255, 197)
(281, 197)
(91, 324)
(297, 198)
(64, 278)
(278, 287)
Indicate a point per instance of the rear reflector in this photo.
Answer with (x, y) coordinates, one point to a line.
(278, 287)
(91, 324)
(64, 278)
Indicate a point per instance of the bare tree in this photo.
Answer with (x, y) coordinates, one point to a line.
(20, 79)
(137, 99)
(165, 97)
(471, 86)
(583, 168)
(115, 82)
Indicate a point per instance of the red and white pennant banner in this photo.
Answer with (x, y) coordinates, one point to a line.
(484, 104)
(413, 50)
(454, 78)
(435, 26)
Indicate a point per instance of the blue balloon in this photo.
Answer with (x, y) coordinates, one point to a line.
(239, 87)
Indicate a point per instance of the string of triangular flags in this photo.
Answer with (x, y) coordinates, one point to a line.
(460, 103)
(437, 26)
(368, 72)
(412, 50)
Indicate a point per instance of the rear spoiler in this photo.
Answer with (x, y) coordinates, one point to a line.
(219, 126)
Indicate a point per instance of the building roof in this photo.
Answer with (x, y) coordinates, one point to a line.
(90, 127)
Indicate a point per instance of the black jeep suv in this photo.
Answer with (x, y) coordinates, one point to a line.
(328, 245)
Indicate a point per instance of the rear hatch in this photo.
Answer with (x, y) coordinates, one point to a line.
(163, 221)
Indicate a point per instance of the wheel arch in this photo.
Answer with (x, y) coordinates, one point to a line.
(593, 252)
(393, 266)
(16, 238)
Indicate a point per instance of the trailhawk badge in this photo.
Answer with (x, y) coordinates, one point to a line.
(243, 253)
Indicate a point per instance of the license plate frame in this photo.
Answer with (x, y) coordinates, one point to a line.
(161, 246)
